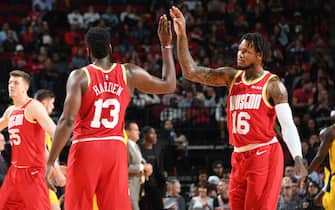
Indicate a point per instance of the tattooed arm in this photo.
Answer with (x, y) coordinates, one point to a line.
(277, 95)
(214, 77)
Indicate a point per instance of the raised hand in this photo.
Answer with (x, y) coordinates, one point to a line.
(179, 22)
(164, 31)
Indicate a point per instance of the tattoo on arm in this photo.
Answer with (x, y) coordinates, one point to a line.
(205, 75)
(276, 91)
(214, 77)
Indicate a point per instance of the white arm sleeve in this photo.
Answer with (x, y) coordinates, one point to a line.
(288, 129)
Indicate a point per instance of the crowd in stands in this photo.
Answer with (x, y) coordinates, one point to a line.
(48, 42)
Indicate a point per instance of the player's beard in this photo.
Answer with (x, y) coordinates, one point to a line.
(251, 66)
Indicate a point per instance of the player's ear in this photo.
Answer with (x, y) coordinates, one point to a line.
(110, 48)
(259, 56)
(89, 54)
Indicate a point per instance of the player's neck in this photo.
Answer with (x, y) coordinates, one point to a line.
(103, 63)
(254, 73)
(20, 101)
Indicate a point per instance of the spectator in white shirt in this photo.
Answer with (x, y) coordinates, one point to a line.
(90, 17)
(75, 18)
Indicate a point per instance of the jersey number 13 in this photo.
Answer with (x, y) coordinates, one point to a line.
(113, 112)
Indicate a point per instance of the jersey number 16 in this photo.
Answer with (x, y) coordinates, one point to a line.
(240, 122)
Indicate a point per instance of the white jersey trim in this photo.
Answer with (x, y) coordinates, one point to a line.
(254, 146)
(107, 138)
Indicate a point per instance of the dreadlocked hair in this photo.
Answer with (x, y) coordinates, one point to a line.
(259, 43)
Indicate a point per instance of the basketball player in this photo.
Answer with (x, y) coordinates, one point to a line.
(47, 98)
(95, 105)
(327, 146)
(27, 121)
(256, 97)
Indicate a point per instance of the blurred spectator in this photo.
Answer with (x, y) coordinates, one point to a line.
(129, 16)
(289, 171)
(310, 128)
(4, 33)
(75, 18)
(218, 169)
(44, 5)
(142, 100)
(154, 186)
(79, 59)
(28, 38)
(221, 202)
(322, 107)
(73, 36)
(111, 18)
(19, 60)
(211, 98)
(314, 142)
(9, 44)
(167, 137)
(302, 98)
(59, 64)
(202, 178)
(172, 112)
(198, 121)
(202, 201)
(187, 100)
(287, 201)
(90, 17)
(312, 190)
(173, 199)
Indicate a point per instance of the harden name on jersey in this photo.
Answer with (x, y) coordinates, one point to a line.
(109, 87)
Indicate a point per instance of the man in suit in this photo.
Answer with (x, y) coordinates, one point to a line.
(137, 167)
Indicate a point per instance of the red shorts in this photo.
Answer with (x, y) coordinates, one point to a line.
(24, 189)
(101, 168)
(256, 176)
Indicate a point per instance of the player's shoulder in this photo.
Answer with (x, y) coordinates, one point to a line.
(34, 110)
(129, 67)
(272, 77)
(78, 72)
(35, 106)
(274, 81)
(78, 76)
(328, 132)
(9, 110)
(132, 71)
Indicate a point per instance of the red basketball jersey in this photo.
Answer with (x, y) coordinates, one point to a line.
(103, 106)
(27, 139)
(251, 117)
